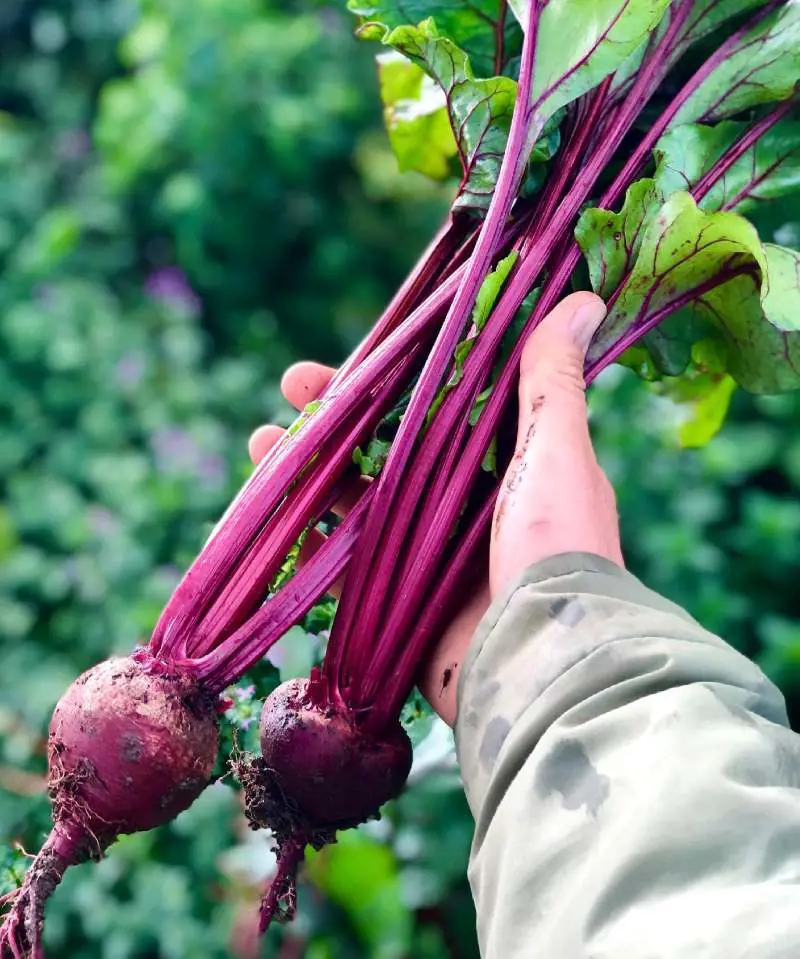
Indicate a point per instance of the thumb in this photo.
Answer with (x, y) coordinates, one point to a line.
(553, 358)
(554, 497)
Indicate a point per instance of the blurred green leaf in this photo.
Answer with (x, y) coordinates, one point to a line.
(474, 26)
(478, 109)
(360, 875)
(754, 315)
(415, 114)
(703, 400)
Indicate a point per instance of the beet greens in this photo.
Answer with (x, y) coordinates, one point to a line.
(612, 145)
(685, 276)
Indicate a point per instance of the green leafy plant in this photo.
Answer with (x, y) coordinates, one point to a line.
(691, 288)
(663, 257)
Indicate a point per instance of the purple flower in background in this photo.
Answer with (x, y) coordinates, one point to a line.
(211, 470)
(178, 453)
(169, 284)
(74, 144)
(102, 521)
(175, 450)
(130, 369)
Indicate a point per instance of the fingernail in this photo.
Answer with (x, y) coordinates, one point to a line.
(584, 322)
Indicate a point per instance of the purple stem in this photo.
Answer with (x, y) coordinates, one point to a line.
(244, 648)
(737, 151)
(342, 668)
(354, 612)
(589, 111)
(295, 598)
(310, 496)
(643, 325)
(274, 477)
(444, 599)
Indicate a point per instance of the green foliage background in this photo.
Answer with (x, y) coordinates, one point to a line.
(194, 193)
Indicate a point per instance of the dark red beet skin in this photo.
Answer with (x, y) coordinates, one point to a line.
(128, 750)
(318, 772)
(331, 770)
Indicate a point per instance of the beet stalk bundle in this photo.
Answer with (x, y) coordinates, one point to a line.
(611, 145)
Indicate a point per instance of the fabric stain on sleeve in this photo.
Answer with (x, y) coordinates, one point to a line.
(497, 729)
(568, 771)
(567, 610)
(485, 693)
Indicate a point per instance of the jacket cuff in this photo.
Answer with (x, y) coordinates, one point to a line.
(559, 613)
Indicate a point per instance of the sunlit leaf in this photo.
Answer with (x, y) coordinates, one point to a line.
(479, 111)
(769, 169)
(484, 29)
(416, 118)
(701, 402)
(743, 293)
(764, 67)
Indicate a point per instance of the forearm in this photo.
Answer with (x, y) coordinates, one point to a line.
(632, 776)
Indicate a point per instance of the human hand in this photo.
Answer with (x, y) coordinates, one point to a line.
(554, 497)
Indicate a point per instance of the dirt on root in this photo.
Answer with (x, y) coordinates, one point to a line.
(21, 931)
(267, 806)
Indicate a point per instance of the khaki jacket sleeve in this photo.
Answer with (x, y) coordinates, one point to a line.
(634, 782)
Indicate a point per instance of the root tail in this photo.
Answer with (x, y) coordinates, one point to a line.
(280, 902)
(21, 931)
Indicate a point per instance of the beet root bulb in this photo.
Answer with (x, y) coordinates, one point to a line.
(319, 772)
(129, 748)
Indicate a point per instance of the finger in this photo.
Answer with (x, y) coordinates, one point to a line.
(304, 382)
(265, 438)
(262, 440)
(351, 494)
(313, 542)
(301, 384)
(554, 498)
(438, 680)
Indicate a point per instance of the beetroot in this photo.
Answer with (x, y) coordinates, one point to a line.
(316, 751)
(313, 752)
(424, 524)
(128, 750)
(426, 405)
